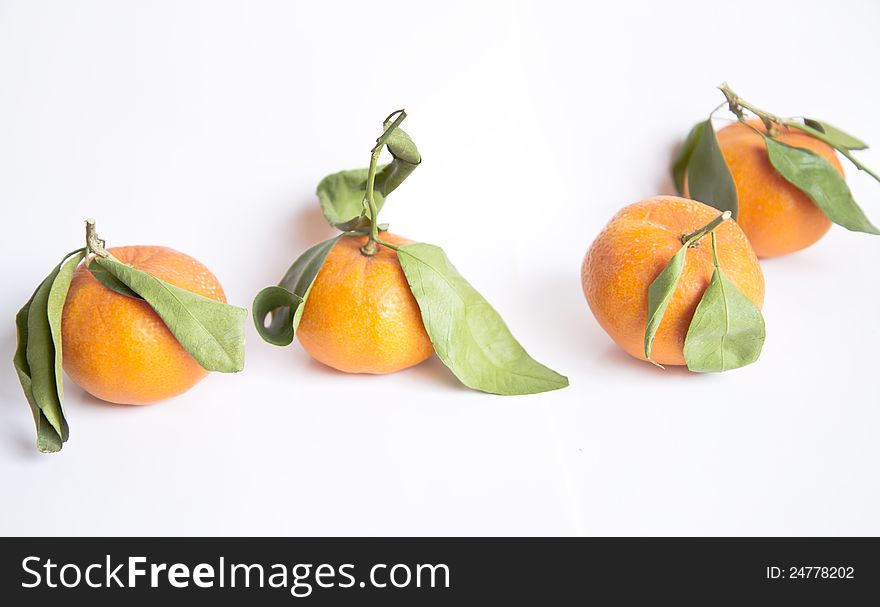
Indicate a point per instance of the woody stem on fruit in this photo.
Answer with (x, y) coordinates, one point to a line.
(693, 237)
(737, 104)
(94, 244)
(369, 248)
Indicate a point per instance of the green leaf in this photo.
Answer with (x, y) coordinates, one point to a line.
(727, 330)
(680, 167)
(835, 136)
(54, 309)
(290, 295)
(342, 194)
(660, 294)
(48, 439)
(37, 358)
(708, 178)
(838, 139)
(279, 301)
(212, 332)
(468, 334)
(111, 282)
(342, 198)
(406, 159)
(401, 145)
(815, 176)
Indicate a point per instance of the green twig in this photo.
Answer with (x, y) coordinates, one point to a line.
(370, 197)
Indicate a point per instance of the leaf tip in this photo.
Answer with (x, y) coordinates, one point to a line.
(561, 381)
(654, 362)
(46, 444)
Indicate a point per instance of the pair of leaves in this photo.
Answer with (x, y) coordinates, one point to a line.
(843, 142)
(342, 194)
(833, 135)
(816, 178)
(212, 332)
(727, 330)
(468, 334)
(38, 355)
(708, 178)
(287, 300)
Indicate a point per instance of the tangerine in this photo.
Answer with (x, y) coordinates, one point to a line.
(632, 250)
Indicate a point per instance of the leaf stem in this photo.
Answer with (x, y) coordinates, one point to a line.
(693, 237)
(369, 248)
(389, 245)
(715, 251)
(718, 107)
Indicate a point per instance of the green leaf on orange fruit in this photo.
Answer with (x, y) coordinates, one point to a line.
(111, 282)
(38, 355)
(660, 293)
(708, 178)
(680, 167)
(55, 308)
(727, 330)
(287, 300)
(468, 335)
(815, 176)
(211, 331)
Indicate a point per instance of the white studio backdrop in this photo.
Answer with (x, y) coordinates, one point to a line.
(205, 126)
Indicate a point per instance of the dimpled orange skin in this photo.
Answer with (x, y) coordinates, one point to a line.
(116, 347)
(360, 315)
(633, 249)
(777, 217)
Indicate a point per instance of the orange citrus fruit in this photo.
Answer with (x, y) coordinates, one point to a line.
(360, 315)
(636, 245)
(777, 217)
(116, 347)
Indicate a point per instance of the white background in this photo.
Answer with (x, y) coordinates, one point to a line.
(206, 126)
